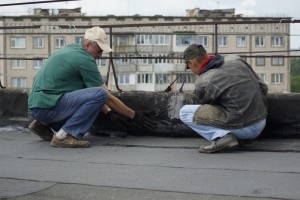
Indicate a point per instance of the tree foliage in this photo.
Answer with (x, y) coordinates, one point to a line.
(295, 75)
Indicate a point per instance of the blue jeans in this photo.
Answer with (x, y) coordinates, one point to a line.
(210, 132)
(75, 112)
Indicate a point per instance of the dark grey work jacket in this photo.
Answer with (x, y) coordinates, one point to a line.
(232, 95)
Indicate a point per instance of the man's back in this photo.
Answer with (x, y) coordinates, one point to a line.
(235, 91)
(68, 69)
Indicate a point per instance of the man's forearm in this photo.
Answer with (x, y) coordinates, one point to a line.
(119, 107)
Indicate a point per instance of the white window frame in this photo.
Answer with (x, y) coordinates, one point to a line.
(123, 59)
(277, 78)
(161, 39)
(260, 41)
(123, 79)
(184, 40)
(144, 39)
(277, 61)
(202, 40)
(18, 42)
(262, 76)
(37, 64)
(241, 41)
(121, 40)
(59, 42)
(277, 41)
(38, 42)
(162, 78)
(103, 62)
(18, 82)
(186, 78)
(260, 61)
(180, 55)
(145, 60)
(161, 58)
(78, 39)
(18, 64)
(145, 78)
(222, 41)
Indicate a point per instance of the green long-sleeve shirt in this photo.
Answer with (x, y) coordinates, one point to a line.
(69, 69)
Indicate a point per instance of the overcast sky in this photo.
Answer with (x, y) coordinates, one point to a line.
(286, 8)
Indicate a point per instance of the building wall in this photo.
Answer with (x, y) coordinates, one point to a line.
(135, 70)
(1, 54)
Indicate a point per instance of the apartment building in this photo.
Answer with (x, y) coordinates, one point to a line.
(148, 50)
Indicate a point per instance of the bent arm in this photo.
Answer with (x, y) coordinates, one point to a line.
(117, 106)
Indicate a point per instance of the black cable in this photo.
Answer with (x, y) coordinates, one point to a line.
(168, 89)
(180, 89)
(34, 2)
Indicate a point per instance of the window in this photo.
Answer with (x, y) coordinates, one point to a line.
(133, 61)
(241, 41)
(19, 82)
(145, 60)
(191, 39)
(222, 41)
(162, 78)
(277, 61)
(262, 77)
(162, 58)
(78, 39)
(184, 40)
(202, 40)
(144, 39)
(180, 56)
(37, 64)
(145, 78)
(102, 62)
(123, 59)
(38, 42)
(162, 39)
(277, 78)
(121, 40)
(18, 64)
(276, 41)
(18, 42)
(59, 42)
(186, 78)
(259, 41)
(260, 61)
(123, 79)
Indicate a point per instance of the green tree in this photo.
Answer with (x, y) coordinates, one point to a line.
(295, 84)
(295, 75)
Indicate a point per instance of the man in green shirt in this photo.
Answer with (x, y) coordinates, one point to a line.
(68, 93)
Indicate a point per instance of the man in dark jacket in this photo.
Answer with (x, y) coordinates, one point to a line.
(232, 99)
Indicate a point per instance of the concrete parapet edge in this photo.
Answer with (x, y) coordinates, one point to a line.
(283, 120)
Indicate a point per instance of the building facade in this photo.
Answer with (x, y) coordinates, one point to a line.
(146, 57)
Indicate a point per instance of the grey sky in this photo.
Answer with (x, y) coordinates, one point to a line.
(287, 8)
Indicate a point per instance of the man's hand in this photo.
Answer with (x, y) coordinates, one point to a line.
(142, 121)
(120, 121)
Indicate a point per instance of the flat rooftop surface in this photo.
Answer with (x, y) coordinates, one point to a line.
(135, 168)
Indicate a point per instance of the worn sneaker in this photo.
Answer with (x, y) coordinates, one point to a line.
(69, 142)
(226, 142)
(41, 130)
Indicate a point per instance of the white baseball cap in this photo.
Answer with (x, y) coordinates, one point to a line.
(98, 35)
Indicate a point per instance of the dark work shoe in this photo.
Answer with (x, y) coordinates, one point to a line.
(41, 130)
(226, 142)
(69, 142)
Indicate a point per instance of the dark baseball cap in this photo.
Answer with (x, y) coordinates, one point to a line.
(193, 51)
